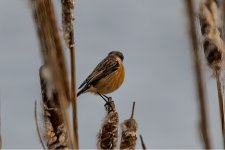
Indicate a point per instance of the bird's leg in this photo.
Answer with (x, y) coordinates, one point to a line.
(108, 98)
(108, 101)
(102, 97)
(108, 104)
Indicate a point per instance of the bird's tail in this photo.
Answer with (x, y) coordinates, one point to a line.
(82, 91)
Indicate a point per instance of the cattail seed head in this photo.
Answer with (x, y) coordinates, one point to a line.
(108, 134)
(55, 133)
(206, 20)
(129, 129)
(212, 42)
(213, 51)
(67, 20)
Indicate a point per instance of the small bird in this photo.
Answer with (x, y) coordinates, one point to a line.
(107, 76)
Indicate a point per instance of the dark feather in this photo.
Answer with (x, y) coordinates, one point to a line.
(82, 90)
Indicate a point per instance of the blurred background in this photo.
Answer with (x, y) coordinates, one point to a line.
(153, 38)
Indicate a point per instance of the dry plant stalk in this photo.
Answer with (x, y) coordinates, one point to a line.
(142, 143)
(36, 122)
(108, 134)
(68, 31)
(53, 55)
(221, 102)
(50, 42)
(198, 75)
(55, 132)
(213, 48)
(129, 129)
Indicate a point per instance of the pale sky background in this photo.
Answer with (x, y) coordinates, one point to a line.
(159, 77)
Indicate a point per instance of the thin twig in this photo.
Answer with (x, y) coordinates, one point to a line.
(142, 143)
(67, 21)
(198, 75)
(37, 126)
(132, 113)
(74, 99)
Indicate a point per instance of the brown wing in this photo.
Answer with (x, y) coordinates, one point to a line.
(104, 68)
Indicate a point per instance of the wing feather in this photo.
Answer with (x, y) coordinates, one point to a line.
(104, 68)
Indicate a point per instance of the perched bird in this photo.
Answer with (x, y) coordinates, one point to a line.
(107, 76)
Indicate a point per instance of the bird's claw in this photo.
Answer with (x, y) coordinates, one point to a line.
(109, 105)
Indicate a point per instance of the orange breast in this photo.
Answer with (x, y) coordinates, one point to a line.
(111, 82)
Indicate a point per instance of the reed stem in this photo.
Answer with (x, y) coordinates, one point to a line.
(221, 102)
(200, 83)
(142, 143)
(68, 28)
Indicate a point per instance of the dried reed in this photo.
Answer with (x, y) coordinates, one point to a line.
(53, 56)
(129, 129)
(108, 134)
(50, 42)
(199, 76)
(142, 143)
(56, 133)
(68, 30)
(213, 48)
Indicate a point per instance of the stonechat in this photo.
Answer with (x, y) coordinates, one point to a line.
(107, 76)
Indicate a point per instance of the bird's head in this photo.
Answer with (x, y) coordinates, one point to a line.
(117, 53)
